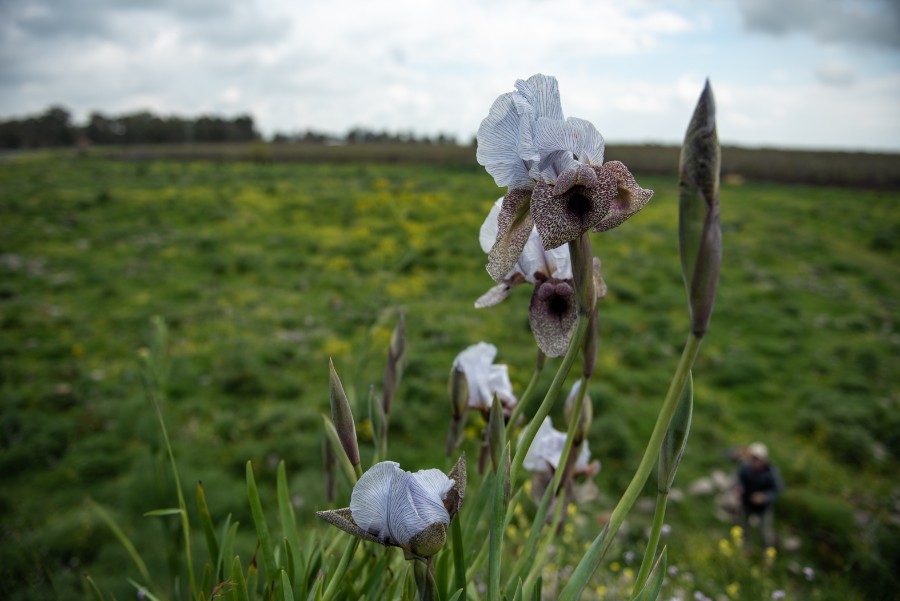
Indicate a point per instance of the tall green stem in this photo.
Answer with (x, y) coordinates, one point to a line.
(552, 394)
(591, 560)
(523, 400)
(552, 489)
(655, 530)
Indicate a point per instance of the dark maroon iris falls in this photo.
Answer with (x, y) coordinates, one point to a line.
(552, 314)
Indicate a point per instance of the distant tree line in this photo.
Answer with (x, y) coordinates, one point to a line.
(54, 127)
(362, 135)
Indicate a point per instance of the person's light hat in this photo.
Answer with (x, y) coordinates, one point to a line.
(758, 449)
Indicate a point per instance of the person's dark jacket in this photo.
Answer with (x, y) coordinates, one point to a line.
(767, 481)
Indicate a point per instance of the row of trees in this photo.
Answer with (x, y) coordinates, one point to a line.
(54, 127)
(361, 135)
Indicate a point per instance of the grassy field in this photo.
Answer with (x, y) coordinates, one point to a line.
(264, 270)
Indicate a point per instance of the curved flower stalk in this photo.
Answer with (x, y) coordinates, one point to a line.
(393, 507)
(553, 168)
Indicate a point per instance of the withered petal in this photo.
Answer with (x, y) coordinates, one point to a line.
(343, 519)
(498, 293)
(453, 500)
(629, 199)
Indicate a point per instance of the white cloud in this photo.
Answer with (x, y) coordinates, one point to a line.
(431, 66)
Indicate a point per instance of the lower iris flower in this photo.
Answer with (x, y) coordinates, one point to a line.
(393, 507)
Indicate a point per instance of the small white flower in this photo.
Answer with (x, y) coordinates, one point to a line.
(484, 378)
(546, 451)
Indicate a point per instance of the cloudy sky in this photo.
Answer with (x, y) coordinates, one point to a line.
(789, 73)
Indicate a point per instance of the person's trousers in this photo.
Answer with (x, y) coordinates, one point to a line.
(766, 522)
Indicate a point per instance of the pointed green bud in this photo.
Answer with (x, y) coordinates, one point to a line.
(396, 361)
(675, 441)
(458, 390)
(334, 440)
(496, 431)
(342, 416)
(329, 461)
(699, 230)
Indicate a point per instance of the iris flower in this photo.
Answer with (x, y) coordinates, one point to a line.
(393, 507)
(485, 378)
(545, 452)
(554, 171)
(553, 310)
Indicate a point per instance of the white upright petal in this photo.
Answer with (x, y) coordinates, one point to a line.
(498, 144)
(435, 482)
(402, 520)
(533, 260)
(541, 95)
(488, 233)
(371, 495)
(590, 142)
(584, 457)
(560, 262)
(501, 386)
(476, 362)
(428, 489)
(574, 135)
(545, 449)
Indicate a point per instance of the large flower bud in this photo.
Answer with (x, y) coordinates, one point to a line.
(699, 231)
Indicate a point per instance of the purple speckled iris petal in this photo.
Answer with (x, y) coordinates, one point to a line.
(561, 216)
(629, 199)
(514, 223)
(552, 316)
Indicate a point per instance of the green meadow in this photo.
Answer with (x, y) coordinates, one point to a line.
(263, 271)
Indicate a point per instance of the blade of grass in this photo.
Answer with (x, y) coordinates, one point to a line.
(209, 532)
(288, 520)
(126, 542)
(262, 530)
(239, 592)
(286, 593)
(339, 572)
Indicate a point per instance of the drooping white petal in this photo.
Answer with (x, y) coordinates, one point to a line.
(475, 363)
(533, 259)
(488, 233)
(501, 386)
(498, 143)
(371, 495)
